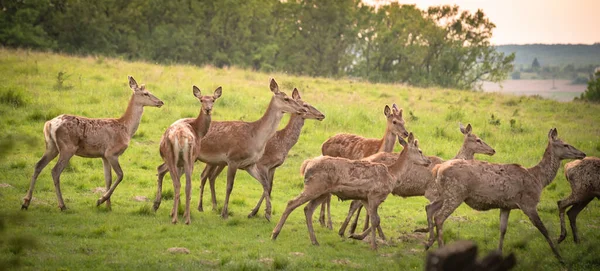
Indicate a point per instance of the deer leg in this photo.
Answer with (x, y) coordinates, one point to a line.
(304, 197)
(503, 224)
(162, 170)
(107, 178)
(366, 221)
(214, 174)
(203, 177)
(328, 205)
(308, 212)
(63, 161)
(114, 162)
(354, 206)
(49, 155)
(537, 222)
(430, 210)
(359, 207)
(258, 174)
(440, 217)
(176, 177)
(572, 213)
(373, 205)
(562, 207)
(231, 171)
(322, 214)
(188, 167)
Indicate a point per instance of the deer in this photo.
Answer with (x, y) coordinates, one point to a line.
(419, 181)
(274, 156)
(584, 178)
(356, 147)
(68, 135)
(351, 179)
(179, 146)
(484, 186)
(239, 144)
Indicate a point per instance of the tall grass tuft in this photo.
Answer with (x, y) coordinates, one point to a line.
(12, 97)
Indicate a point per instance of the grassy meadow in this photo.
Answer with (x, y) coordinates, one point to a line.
(132, 236)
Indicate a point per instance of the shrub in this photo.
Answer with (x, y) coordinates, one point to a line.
(12, 98)
(592, 93)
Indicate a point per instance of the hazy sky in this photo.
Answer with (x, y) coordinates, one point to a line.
(534, 21)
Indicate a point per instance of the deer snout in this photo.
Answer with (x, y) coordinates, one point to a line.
(321, 117)
(405, 134)
(159, 104)
(582, 155)
(492, 152)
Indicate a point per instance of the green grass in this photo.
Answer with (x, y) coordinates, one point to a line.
(132, 236)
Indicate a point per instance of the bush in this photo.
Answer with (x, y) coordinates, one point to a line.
(592, 93)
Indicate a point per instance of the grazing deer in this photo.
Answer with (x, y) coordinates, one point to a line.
(356, 147)
(351, 179)
(584, 178)
(419, 181)
(484, 186)
(68, 135)
(239, 144)
(276, 152)
(179, 147)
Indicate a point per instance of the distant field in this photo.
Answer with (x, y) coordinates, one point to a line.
(560, 90)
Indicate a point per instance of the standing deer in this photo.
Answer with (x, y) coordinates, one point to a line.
(484, 186)
(356, 147)
(276, 152)
(179, 147)
(239, 144)
(351, 179)
(419, 181)
(68, 135)
(584, 178)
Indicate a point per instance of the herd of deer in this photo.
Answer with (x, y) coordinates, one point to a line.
(351, 167)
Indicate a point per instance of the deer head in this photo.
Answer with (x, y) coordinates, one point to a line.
(411, 151)
(562, 149)
(282, 102)
(473, 142)
(141, 96)
(395, 122)
(207, 101)
(312, 113)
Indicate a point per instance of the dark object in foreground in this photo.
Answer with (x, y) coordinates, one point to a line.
(462, 255)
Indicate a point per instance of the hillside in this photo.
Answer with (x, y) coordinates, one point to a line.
(39, 86)
(554, 54)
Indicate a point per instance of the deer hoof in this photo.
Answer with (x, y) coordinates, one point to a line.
(24, 207)
(62, 208)
(268, 217)
(155, 206)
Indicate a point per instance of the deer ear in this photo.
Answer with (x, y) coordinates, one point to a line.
(416, 143)
(387, 111)
(411, 137)
(274, 87)
(553, 134)
(469, 129)
(402, 141)
(395, 108)
(142, 87)
(462, 128)
(218, 92)
(197, 92)
(132, 83)
(296, 94)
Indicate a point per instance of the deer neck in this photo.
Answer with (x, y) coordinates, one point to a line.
(546, 170)
(400, 167)
(132, 117)
(464, 153)
(292, 130)
(266, 126)
(201, 123)
(387, 142)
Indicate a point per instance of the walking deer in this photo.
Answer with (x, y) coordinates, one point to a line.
(368, 182)
(276, 152)
(419, 181)
(484, 186)
(357, 147)
(179, 147)
(239, 144)
(584, 178)
(68, 135)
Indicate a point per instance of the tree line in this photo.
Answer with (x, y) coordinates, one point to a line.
(441, 46)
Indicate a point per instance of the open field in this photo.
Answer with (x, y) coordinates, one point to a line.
(132, 236)
(560, 90)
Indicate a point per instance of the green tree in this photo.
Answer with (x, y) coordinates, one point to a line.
(22, 24)
(592, 93)
(535, 65)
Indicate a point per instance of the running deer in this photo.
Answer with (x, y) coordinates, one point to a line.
(356, 147)
(584, 178)
(351, 179)
(68, 135)
(484, 186)
(276, 152)
(419, 181)
(179, 147)
(239, 144)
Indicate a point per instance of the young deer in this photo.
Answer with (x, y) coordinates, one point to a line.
(419, 181)
(584, 178)
(276, 152)
(484, 186)
(356, 147)
(351, 179)
(179, 147)
(239, 144)
(68, 135)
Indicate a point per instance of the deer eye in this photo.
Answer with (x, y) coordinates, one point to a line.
(478, 140)
(394, 122)
(286, 99)
(566, 146)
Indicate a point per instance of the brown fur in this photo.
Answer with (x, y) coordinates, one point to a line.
(350, 179)
(484, 186)
(68, 135)
(179, 146)
(584, 178)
